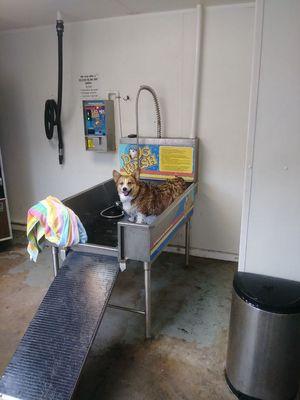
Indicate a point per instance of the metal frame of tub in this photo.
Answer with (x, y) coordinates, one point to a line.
(139, 242)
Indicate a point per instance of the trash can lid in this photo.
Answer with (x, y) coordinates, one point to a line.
(267, 293)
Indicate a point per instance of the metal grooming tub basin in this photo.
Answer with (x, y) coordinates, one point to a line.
(127, 240)
(160, 158)
(263, 359)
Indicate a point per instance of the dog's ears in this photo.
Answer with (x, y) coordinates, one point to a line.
(136, 174)
(116, 175)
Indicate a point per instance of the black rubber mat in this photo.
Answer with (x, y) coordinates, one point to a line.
(48, 362)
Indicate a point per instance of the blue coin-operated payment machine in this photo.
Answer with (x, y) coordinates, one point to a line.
(99, 125)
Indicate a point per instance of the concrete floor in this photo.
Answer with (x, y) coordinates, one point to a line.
(184, 361)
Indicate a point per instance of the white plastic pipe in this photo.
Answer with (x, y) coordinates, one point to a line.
(58, 16)
(198, 53)
(117, 96)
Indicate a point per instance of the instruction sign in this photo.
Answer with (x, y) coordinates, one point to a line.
(176, 159)
(89, 86)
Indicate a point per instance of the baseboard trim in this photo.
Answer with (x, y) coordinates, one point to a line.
(18, 226)
(204, 253)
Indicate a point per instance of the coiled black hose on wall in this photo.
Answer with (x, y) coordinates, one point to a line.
(52, 109)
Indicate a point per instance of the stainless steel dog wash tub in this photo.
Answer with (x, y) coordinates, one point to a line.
(160, 158)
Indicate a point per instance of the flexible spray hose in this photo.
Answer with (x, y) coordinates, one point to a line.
(52, 109)
(157, 109)
(157, 112)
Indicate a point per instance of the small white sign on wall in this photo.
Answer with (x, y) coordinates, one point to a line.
(89, 86)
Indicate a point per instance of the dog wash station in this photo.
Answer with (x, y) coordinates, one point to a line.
(48, 362)
(110, 233)
(123, 240)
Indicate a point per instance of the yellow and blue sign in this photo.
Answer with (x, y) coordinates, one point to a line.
(157, 161)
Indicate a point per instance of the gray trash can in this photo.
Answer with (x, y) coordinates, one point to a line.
(263, 355)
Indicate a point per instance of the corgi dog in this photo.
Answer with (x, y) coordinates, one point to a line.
(143, 201)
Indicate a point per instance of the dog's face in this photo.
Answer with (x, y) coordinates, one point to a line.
(127, 185)
(133, 153)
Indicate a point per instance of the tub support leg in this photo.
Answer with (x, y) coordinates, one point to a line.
(147, 274)
(187, 243)
(55, 260)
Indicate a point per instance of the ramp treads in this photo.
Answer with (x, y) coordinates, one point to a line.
(50, 356)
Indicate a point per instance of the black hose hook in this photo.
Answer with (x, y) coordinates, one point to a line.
(52, 112)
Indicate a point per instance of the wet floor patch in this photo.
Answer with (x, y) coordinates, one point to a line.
(23, 285)
(163, 368)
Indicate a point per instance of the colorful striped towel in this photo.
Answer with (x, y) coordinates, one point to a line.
(50, 219)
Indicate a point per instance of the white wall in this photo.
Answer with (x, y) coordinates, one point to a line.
(224, 105)
(155, 49)
(271, 215)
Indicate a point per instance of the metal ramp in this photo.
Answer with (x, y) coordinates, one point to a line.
(48, 362)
